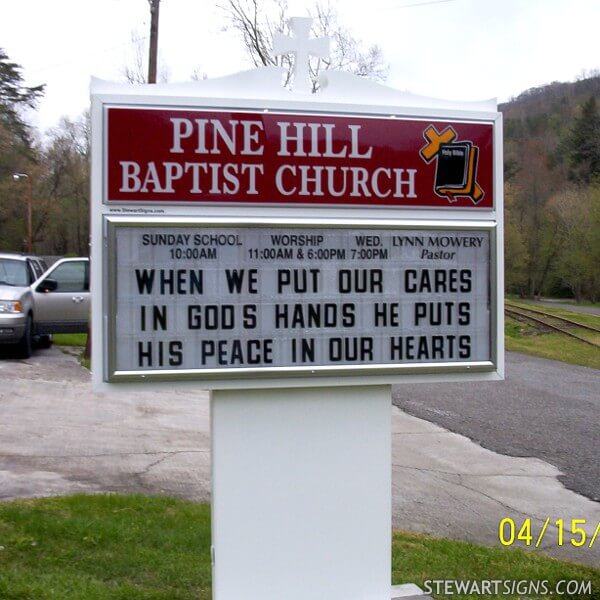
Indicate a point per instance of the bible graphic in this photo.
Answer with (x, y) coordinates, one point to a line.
(456, 164)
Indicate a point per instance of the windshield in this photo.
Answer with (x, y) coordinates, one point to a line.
(13, 272)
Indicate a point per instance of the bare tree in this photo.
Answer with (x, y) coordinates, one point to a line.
(63, 222)
(137, 71)
(198, 74)
(257, 20)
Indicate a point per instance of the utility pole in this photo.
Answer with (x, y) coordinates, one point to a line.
(153, 59)
(16, 177)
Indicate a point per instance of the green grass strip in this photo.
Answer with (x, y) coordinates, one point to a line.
(526, 338)
(70, 339)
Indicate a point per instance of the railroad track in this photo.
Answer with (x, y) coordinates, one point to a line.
(544, 318)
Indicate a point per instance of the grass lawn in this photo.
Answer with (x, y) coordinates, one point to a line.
(553, 346)
(136, 547)
(70, 339)
(100, 547)
(521, 337)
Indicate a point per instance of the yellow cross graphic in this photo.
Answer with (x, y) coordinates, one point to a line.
(436, 139)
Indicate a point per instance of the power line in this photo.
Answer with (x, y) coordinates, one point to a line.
(39, 71)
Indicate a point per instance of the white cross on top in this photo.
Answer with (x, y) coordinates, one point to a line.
(301, 47)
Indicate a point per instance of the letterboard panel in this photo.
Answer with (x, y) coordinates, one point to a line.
(223, 300)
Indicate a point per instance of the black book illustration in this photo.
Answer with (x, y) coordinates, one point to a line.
(456, 168)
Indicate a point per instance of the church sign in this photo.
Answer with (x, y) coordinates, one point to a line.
(266, 244)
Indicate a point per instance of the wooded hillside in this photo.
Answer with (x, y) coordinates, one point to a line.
(552, 190)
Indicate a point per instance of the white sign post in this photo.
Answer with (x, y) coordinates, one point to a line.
(302, 493)
(296, 254)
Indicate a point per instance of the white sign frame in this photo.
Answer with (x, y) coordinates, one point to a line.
(261, 91)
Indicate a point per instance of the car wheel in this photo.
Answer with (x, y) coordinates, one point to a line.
(25, 346)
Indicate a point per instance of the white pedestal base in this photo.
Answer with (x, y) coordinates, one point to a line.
(408, 591)
(302, 494)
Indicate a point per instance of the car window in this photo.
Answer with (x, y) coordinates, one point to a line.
(71, 277)
(14, 272)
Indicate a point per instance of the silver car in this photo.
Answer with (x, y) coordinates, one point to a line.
(35, 304)
(17, 273)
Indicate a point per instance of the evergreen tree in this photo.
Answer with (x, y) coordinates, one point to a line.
(15, 141)
(16, 151)
(14, 97)
(584, 145)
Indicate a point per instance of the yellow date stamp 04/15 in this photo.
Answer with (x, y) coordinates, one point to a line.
(579, 533)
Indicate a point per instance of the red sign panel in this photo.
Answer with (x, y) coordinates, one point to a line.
(200, 156)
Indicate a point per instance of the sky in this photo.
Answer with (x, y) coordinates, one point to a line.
(450, 49)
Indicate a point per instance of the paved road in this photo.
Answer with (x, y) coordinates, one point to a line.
(546, 409)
